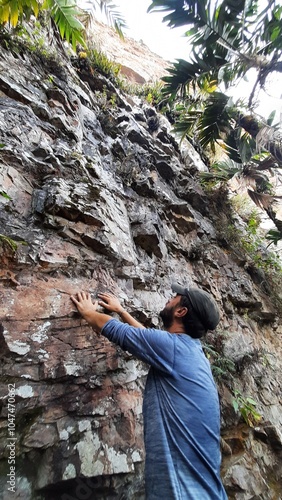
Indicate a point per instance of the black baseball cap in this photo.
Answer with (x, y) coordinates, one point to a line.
(202, 304)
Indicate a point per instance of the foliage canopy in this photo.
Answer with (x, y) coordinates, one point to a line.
(227, 39)
(66, 14)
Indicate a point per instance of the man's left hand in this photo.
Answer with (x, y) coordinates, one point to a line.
(84, 304)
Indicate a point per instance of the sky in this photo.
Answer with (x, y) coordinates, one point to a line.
(168, 43)
(164, 41)
(171, 45)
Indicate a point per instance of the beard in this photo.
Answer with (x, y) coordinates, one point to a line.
(166, 316)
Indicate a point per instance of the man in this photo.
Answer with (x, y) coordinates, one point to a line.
(181, 409)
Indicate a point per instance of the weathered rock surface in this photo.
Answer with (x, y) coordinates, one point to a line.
(97, 201)
(138, 63)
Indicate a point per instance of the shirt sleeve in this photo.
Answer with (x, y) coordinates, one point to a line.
(155, 347)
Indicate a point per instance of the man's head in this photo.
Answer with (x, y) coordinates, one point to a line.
(192, 309)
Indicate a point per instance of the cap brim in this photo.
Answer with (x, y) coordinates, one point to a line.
(180, 290)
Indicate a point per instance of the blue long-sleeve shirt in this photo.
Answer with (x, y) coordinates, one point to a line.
(181, 414)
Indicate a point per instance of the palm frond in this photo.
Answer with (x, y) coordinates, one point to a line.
(267, 203)
(269, 29)
(187, 123)
(264, 161)
(12, 11)
(197, 71)
(263, 200)
(215, 121)
(270, 139)
(222, 171)
(234, 31)
(273, 236)
(208, 124)
(231, 145)
(228, 38)
(246, 146)
(65, 14)
(181, 13)
(113, 16)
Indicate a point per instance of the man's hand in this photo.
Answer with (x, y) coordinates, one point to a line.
(97, 320)
(110, 302)
(84, 304)
(88, 310)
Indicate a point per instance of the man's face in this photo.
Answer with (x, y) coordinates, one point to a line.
(167, 314)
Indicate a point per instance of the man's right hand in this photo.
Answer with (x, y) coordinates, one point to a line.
(110, 302)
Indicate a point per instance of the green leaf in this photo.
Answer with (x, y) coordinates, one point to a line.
(235, 405)
(271, 117)
(275, 33)
(35, 7)
(65, 15)
(5, 195)
(14, 13)
(222, 171)
(252, 401)
(274, 236)
(4, 13)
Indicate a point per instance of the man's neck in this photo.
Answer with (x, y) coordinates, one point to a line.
(176, 327)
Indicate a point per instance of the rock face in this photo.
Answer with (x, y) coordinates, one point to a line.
(93, 199)
(138, 63)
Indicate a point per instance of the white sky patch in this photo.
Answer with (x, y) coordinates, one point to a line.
(167, 42)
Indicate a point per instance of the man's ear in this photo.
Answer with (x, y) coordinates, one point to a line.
(181, 311)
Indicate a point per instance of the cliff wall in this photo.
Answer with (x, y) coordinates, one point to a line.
(94, 197)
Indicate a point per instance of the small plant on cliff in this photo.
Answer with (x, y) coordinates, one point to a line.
(106, 99)
(249, 242)
(11, 244)
(222, 367)
(99, 62)
(150, 92)
(243, 206)
(246, 406)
